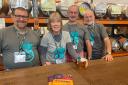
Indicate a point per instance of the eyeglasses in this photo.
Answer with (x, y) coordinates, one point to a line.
(20, 16)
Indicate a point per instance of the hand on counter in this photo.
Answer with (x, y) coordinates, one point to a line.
(82, 62)
(108, 57)
(47, 63)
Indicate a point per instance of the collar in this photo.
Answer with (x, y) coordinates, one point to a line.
(21, 32)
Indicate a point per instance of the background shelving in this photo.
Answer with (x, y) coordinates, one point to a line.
(105, 22)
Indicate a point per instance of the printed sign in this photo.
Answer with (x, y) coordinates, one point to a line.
(2, 23)
(48, 5)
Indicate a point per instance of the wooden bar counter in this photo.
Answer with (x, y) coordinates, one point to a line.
(99, 72)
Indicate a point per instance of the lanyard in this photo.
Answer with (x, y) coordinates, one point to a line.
(21, 38)
(57, 46)
(92, 30)
(59, 42)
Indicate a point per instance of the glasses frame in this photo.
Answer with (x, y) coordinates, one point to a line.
(21, 16)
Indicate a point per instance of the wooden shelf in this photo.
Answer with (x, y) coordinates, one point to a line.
(45, 21)
(31, 20)
(113, 22)
(119, 54)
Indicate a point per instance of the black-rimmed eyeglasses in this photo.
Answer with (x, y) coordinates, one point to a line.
(21, 16)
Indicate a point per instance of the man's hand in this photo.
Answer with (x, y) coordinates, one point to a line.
(108, 57)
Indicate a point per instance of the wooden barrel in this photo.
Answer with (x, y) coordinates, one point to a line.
(62, 11)
(115, 44)
(4, 8)
(84, 7)
(62, 7)
(100, 10)
(27, 4)
(125, 11)
(124, 43)
(114, 11)
(46, 7)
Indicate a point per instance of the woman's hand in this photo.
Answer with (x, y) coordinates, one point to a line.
(47, 63)
(81, 61)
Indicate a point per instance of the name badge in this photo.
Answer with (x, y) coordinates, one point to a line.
(74, 46)
(19, 57)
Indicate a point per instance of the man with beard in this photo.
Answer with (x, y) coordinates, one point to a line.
(101, 46)
(79, 36)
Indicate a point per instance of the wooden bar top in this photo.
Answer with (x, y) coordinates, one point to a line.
(99, 72)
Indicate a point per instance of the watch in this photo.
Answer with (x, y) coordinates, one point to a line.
(108, 53)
